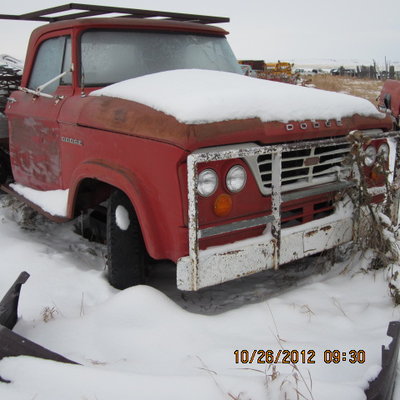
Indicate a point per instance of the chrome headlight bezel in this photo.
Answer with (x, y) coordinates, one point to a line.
(370, 156)
(207, 182)
(384, 150)
(236, 178)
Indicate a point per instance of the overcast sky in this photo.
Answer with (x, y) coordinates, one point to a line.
(287, 30)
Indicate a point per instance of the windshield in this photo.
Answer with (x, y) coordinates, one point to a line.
(113, 56)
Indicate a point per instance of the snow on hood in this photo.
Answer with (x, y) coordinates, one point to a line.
(199, 96)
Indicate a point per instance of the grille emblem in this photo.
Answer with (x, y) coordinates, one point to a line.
(309, 162)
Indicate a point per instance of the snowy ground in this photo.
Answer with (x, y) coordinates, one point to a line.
(154, 342)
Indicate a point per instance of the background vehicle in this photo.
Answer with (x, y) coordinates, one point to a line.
(280, 71)
(389, 99)
(248, 70)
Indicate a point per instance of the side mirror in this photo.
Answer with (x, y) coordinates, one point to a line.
(39, 89)
(387, 101)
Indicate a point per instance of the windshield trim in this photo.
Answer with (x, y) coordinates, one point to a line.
(128, 29)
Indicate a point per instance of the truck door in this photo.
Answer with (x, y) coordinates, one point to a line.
(34, 129)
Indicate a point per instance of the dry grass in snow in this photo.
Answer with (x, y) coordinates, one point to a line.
(368, 89)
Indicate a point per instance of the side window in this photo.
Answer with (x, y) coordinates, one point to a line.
(53, 57)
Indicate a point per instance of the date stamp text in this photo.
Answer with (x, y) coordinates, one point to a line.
(297, 356)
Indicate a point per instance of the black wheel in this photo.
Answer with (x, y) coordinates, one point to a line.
(125, 245)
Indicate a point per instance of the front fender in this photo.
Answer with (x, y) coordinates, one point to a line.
(160, 227)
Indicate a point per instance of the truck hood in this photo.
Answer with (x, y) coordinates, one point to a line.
(199, 108)
(200, 96)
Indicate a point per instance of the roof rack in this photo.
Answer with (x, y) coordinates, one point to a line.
(90, 10)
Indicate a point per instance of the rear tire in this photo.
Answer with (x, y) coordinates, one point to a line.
(125, 244)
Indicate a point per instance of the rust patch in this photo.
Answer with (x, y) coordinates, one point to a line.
(120, 115)
(35, 150)
(312, 233)
(315, 231)
(233, 252)
(309, 162)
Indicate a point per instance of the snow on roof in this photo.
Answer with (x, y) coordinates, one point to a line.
(200, 96)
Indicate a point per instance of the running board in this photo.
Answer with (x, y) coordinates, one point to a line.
(9, 190)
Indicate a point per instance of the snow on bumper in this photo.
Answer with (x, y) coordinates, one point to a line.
(223, 263)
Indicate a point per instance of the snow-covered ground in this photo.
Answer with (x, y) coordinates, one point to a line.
(154, 342)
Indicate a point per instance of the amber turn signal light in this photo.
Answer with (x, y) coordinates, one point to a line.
(223, 205)
(377, 176)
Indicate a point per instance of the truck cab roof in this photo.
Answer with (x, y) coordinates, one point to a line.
(129, 23)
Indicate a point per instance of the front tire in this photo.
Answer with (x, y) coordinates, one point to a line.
(125, 244)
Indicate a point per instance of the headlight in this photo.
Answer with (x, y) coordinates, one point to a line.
(236, 178)
(383, 151)
(369, 156)
(208, 182)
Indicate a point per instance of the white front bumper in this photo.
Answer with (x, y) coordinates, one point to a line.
(223, 263)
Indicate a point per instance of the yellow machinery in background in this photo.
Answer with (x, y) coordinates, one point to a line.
(280, 71)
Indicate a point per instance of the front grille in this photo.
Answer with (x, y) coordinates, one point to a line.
(307, 167)
(297, 215)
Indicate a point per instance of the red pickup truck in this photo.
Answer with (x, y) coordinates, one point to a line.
(389, 99)
(152, 120)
